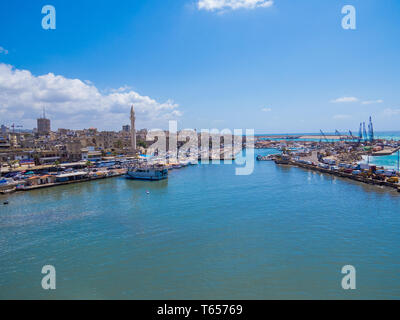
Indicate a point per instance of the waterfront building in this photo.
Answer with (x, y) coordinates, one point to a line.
(73, 176)
(43, 126)
(4, 143)
(90, 154)
(40, 180)
(3, 130)
(73, 149)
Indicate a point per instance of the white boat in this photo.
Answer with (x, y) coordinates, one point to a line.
(7, 191)
(7, 185)
(147, 173)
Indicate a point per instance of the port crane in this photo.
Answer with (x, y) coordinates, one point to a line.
(341, 136)
(360, 136)
(353, 138)
(365, 136)
(323, 134)
(13, 126)
(370, 130)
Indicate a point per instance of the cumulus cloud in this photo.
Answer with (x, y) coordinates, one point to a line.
(345, 100)
(75, 103)
(213, 5)
(372, 101)
(3, 51)
(266, 109)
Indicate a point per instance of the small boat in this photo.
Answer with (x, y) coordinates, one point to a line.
(175, 166)
(7, 185)
(283, 159)
(7, 191)
(152, 173)
(280, 161)
(270, 157)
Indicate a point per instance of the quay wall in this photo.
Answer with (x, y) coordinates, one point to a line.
(49, 185)
(347, 175)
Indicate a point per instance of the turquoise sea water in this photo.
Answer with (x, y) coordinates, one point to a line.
(205, 233)
(387, 135)
(390, 161)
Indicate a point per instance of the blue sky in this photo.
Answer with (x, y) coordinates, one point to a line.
(285, 67)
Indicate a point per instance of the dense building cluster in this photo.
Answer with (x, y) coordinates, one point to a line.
(43, 146)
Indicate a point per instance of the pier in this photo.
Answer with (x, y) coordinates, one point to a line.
(116, 173)
(342, 174)
(86, 177)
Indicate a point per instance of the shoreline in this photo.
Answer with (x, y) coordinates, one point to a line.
(57, 184)
(350, 176)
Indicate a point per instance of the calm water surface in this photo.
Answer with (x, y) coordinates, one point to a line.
(205, 233)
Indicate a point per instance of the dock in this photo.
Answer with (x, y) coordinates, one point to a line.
(341, 174)
(115, 173)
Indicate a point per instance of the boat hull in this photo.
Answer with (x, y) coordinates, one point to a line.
(281, 161)
(149, 175)
(144, 178)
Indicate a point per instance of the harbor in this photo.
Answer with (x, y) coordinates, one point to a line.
(145, 207)
(39, 177)
(140, 235)
(143, 162)
(346, 157)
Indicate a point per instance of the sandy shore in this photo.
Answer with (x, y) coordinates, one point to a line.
(324, 137)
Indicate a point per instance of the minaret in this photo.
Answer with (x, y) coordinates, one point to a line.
(133, 130)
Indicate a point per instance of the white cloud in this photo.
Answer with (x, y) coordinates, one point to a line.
(121, 89)
(345, 100)
(354, 99)
(75, 103)
(212, 5)
(372, 101)
(341, 117)
(391, 112)
(3, 51)
(266, 109)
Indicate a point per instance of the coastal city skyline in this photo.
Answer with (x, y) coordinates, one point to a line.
(199, 151)
(224, 60)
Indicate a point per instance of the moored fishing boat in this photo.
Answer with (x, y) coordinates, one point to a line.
(7, 185)
(270, 157)
(7, 191)
(152, 173)
(283, 159)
